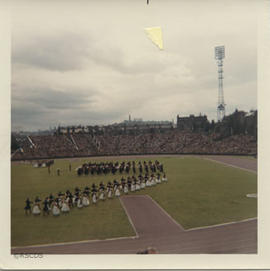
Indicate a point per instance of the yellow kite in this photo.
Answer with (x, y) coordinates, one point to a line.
(155, 34)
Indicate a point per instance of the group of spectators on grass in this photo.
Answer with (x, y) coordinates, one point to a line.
(170, 142)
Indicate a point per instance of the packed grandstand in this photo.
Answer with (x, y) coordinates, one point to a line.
(223, 138)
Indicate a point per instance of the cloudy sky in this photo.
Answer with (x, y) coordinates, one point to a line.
(90, 62)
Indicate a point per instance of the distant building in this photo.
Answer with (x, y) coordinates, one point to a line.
(193, 123)
(138, 124)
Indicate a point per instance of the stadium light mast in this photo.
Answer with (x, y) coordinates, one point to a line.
(219, 56)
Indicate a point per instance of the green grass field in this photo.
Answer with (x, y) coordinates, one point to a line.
(199, 193)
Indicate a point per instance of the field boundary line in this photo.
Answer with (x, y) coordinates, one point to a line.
(230, 165)
(168, 215)
(77, 242)
(223, 224)
(129, 218)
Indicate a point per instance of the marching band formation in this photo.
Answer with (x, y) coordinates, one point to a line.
(110, 167)
(64, 202)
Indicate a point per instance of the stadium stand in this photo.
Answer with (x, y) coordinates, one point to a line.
(169, 142)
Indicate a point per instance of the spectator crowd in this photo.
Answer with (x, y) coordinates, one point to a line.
(170, 142)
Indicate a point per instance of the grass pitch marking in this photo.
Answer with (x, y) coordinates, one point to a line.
(222, 224)
(77, 242)
(229, 165)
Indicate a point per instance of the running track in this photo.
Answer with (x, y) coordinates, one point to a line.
(154, 227)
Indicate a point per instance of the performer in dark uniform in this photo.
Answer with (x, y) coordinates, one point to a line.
(27, 207)
(129, 182)
(86, 191)
(86, 170)
(70, 200)
(51, 199)
(37, 200)
(79, 171)
(140, 169)
(123, 182)
(46, 210)
(60, 194)
(146, 168)
(127, 169)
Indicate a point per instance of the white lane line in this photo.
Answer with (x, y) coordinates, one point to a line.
(229, 165)
(223, 224)
(129, 218)
(77, 242)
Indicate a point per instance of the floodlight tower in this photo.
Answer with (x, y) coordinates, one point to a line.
(220, 55)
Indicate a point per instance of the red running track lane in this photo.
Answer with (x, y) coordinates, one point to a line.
(156, 228)
(234, 161)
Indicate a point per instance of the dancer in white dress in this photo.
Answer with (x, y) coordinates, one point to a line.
(158, 180)
(65, 207)
(60, 202)
(153, 182)
(55, 209)
(133, 187)
(126, 189)
(115, 185)
(102, 193)
(74, 201)
(142, 184)
(137, 185)
(94, 197)
(148, 182)
(85, 200)
(94, 194)
(79, 203)
(36, 207)
(164, 178)
(110, 193)
(117, 191)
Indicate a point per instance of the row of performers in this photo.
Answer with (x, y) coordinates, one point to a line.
(105, 168)
(65, 201)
